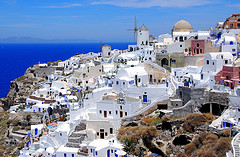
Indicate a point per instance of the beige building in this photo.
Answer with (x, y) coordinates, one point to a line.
(155, 76)
(170, 60)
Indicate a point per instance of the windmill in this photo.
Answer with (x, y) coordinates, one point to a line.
(134, 29)
(100, 46)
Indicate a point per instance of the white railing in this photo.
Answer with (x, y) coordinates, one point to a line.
(156, 66)
(149, 106)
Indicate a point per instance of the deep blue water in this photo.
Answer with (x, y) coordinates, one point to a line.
(16, 58)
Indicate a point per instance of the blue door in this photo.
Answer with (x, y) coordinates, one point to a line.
(144, 98)
(108, 153)
(36, 131)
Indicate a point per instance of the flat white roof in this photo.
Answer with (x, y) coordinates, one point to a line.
(67, 149)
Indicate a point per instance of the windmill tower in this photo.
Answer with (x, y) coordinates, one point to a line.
(134, 29)
(143, 36)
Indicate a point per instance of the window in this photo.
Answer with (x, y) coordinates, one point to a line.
(106, 134)
(201, 76)
(123, 83)
(207, 61)
(233, 50)
(226, 61)
(200, 50)
(117, 82)
(176, 38)
(197, 51)
(110, 112)
(185, 38)
(72, 155)
(96, 153)
(111, 151)
(91, 151)
(222, 56)
(111, 130)
(139, 80)
(231, 25)
(180, 45)
(116, 112)
(100, 111)
(60, 134)
(64, 155)
(100, 70)
(125, 113)
(120, 107)
(173, 61)
(97, 133)
(212, 63)
(155, 80)
(197, 44)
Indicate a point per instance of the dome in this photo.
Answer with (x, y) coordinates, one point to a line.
(182, 26)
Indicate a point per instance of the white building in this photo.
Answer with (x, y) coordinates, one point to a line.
(143, 36)
(106, 50)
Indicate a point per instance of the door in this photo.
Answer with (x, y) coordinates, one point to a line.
(108, 153)
(144, 98)
(121, 114)
(36, 131)
(101, 133)
(105, 114)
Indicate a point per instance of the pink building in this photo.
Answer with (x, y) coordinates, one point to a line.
(197, 47)
(229, 76)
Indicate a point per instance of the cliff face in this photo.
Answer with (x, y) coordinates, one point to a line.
(21, 88)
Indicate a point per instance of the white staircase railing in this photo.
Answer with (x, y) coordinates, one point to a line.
(235, 145)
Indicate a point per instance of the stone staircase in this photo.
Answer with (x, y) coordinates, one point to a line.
(235, 145)
(77, 136)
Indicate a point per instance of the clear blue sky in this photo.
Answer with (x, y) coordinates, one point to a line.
(106, 20)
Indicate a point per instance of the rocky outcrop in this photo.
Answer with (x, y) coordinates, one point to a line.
(21, 88)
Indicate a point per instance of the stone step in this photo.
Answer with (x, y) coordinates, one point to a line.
(73, 145)
(80, 127)
(77, 134)
(76, 140)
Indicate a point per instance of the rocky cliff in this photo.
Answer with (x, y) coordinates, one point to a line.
(22, 87)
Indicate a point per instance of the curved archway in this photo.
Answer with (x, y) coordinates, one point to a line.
(182, 140)
(164, 62)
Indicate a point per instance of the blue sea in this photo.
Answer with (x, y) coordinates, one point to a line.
(16, 58)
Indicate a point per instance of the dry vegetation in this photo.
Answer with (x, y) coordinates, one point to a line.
(130, 136)
(207, 145)
(192, 121)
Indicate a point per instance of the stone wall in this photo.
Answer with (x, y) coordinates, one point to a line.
(198, 97)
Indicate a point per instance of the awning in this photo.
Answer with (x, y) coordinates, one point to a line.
(228, 81)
